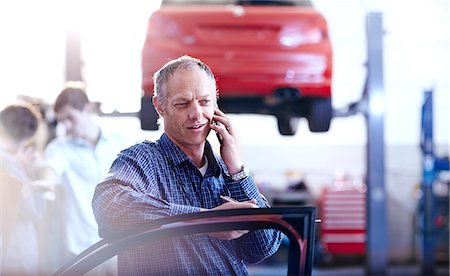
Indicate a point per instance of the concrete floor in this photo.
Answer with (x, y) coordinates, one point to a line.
(404, 270)
(276, 265)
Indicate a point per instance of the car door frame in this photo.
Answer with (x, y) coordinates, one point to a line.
(297, 223)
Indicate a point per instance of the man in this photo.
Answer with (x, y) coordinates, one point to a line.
(21, 204)
(79, 160)
(180, 174)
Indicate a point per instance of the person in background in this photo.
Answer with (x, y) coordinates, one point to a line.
(78, 161)
(178, 174)
(22, 203)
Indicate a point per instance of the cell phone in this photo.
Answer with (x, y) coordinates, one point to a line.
(219, 137)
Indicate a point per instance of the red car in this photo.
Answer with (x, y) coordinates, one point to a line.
(269, 57)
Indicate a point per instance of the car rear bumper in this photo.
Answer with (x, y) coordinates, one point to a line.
(247, 72)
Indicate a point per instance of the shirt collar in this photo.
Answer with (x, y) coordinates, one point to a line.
(172, 151)
(177, 156)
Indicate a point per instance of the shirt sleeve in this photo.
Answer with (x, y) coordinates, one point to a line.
(129, 196)
(247, 190)
(55, 159)
(257, 245)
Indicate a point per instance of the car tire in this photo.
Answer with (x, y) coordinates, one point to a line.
(148, 115)
(287, 125)
(320, 113)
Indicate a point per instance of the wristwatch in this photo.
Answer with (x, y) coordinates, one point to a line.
(240, 175)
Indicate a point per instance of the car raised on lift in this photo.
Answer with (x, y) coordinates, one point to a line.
(269, 57)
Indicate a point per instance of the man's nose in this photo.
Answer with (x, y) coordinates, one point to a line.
(195, 111)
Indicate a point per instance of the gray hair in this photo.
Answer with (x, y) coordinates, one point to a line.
(162, 75)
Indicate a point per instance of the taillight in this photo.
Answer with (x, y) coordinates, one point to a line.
(294, 37)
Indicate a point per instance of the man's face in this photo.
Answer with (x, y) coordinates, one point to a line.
(191, 98)
(74, 120)
(26, 152)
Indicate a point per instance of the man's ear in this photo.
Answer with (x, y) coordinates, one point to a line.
(158, 106)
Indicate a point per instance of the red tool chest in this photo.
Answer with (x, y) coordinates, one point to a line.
(343, 227)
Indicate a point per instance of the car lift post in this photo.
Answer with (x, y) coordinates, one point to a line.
(430, 167)
(74, 62)
(377, 243)
(372, 105)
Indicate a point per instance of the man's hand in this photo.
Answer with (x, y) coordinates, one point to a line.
(27, 154)
(230, 148)
(234, 234)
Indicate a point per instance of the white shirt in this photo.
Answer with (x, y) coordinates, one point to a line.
(80, 167)
(22, 256)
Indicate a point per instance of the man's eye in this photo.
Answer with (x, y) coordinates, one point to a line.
(179, 105)
(204, 102)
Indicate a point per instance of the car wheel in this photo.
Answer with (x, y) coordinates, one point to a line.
(287, 125)
(319, 116)
(148, 114)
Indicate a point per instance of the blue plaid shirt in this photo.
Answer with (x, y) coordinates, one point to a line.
(152, 180)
